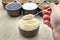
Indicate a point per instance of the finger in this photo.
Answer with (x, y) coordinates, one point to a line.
(45, 12)
(46, 17)
(55, 16)
(46, 6)
(51, 26)
(47, 22)
(49, 9)
(54, 7)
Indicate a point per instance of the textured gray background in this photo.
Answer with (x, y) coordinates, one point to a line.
(9, 28)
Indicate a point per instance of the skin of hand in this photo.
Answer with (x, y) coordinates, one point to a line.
(51, 16)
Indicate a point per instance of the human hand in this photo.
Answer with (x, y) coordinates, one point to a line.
(52, 19)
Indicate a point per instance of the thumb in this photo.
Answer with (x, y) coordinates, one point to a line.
(53, 7)
(55, 15)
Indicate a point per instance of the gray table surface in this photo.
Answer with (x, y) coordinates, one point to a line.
(9, 28)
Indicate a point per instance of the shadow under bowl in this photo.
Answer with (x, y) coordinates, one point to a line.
(29, 34)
